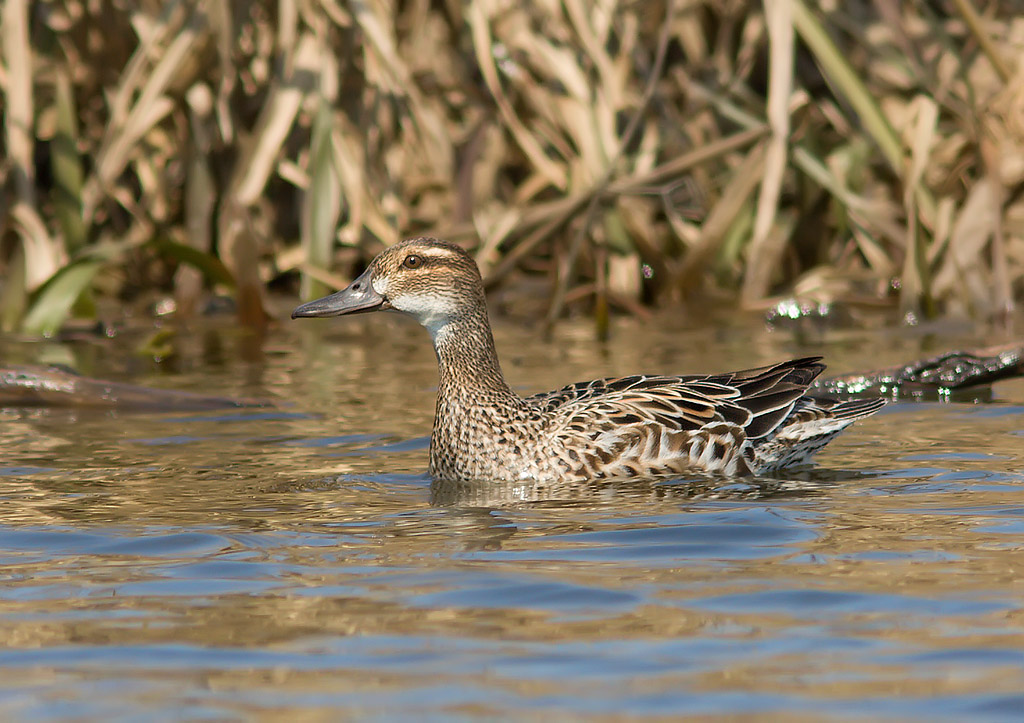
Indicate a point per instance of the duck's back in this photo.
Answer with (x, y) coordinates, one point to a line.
(736, 423)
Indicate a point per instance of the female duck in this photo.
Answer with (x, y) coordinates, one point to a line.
(737, 423)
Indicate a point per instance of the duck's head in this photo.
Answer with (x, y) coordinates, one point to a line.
(433, 281)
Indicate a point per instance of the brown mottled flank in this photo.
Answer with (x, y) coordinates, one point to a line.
(737, 423)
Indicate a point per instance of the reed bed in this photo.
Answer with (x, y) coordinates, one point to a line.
(629, 154)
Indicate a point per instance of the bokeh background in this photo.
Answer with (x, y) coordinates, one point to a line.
(606, 156)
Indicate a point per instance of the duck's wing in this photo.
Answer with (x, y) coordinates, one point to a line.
(757, 400)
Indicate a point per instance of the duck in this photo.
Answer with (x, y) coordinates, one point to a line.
(753, 422)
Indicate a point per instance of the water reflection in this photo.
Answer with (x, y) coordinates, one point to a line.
(618, 492)
(300, 563)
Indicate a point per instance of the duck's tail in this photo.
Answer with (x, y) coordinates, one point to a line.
(813, 424)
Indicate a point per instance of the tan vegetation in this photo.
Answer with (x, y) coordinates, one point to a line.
(629, 152)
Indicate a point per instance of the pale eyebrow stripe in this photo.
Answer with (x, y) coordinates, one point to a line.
(440, 256)
(436, 253)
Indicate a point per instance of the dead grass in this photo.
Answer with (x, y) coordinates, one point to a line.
(634, 153)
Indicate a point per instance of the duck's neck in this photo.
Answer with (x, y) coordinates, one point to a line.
(468, 364)
(482, 429)
(476, 408)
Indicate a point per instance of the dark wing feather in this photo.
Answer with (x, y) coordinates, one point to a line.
(757, 399)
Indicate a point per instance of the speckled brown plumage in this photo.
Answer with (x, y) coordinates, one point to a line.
(738, 423)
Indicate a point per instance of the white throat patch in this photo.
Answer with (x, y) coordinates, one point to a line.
(433, 312)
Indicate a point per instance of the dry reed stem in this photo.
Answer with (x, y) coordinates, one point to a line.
(780, 85)
(566, 269)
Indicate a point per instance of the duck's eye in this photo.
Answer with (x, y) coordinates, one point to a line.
(412, 261)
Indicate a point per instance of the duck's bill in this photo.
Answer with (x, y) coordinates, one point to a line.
(357, 298)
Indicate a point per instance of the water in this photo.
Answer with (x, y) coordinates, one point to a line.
(297, 562)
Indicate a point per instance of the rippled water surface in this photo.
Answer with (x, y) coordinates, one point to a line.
(296, 562)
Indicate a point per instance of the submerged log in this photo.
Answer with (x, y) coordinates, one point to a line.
(37, 386)
(935, 376)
